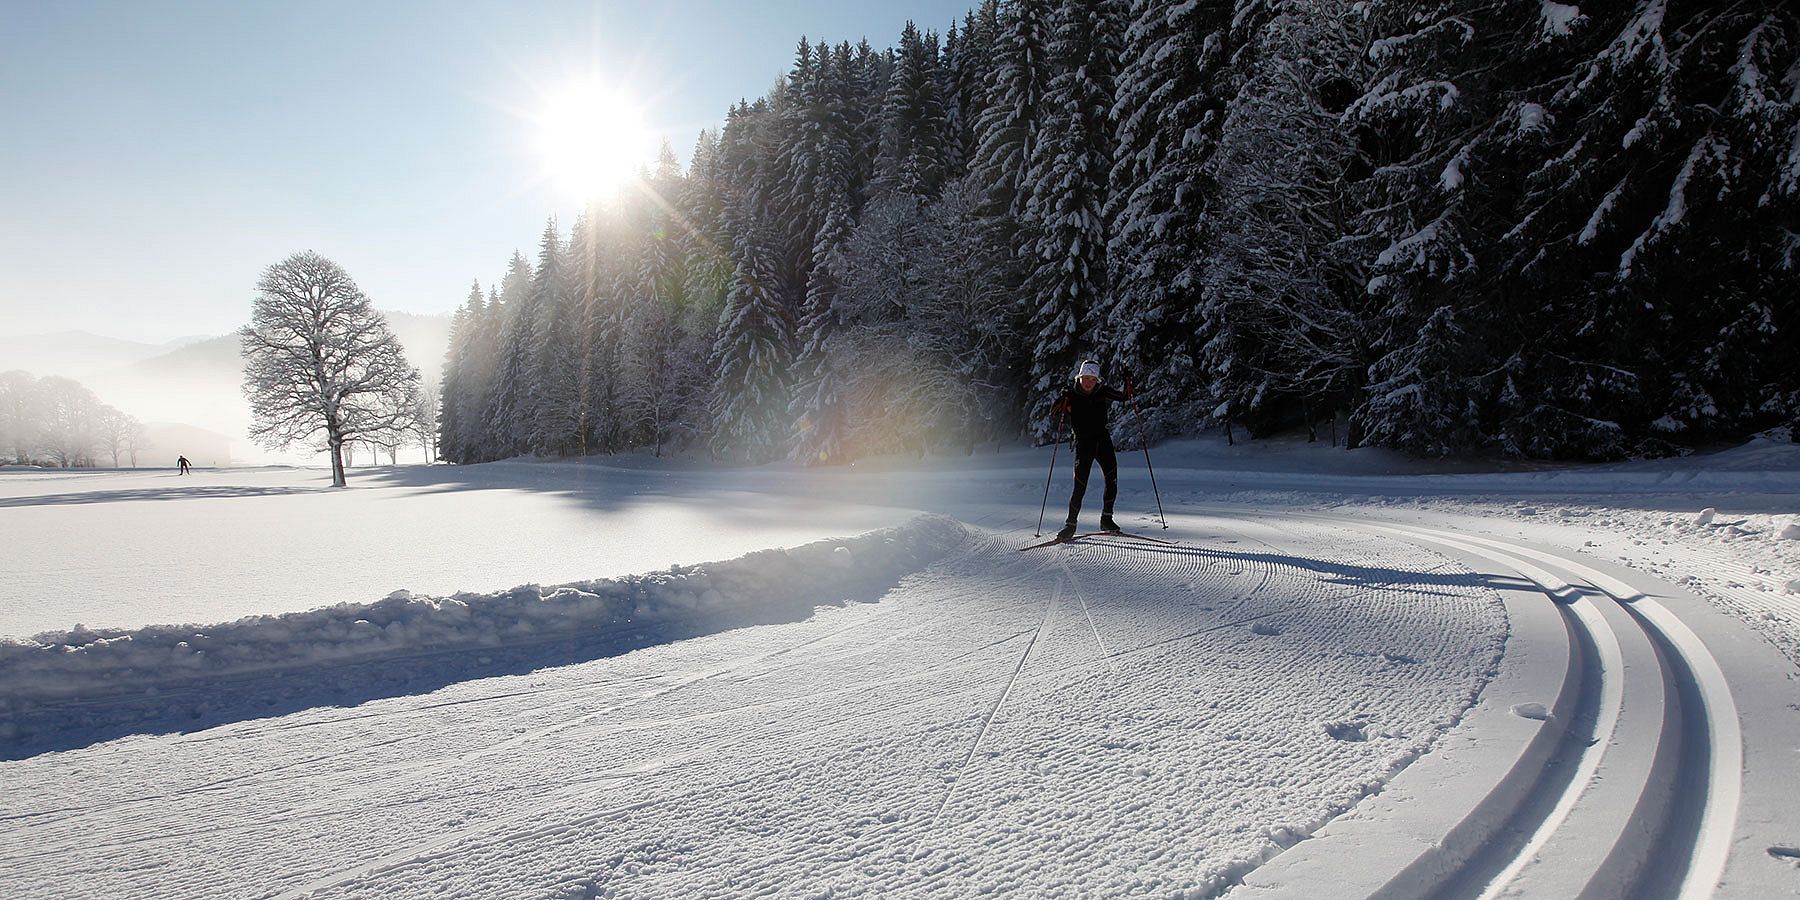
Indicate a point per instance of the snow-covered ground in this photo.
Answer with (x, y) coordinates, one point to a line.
(1446, 677)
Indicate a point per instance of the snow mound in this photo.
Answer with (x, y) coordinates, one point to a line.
(1789, 532)
(1531, 711)
(760, 587)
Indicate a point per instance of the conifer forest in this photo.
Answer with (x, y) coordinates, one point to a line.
(1514, 227)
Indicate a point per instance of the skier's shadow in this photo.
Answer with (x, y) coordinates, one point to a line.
(1358, 575)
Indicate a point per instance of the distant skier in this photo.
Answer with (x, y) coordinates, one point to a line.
(1086, 404)
(182, 463)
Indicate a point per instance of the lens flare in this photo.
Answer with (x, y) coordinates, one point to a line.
(592, 139)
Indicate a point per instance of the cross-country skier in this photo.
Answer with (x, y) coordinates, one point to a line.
(1086, 404)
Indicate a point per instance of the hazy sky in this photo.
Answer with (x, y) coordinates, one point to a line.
(155, 157)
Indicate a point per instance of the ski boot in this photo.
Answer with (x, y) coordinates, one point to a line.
(1067, 532)
(1107, 524)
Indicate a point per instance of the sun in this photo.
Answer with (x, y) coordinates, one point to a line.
(591, 139)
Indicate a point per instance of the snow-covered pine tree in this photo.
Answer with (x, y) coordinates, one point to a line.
(867, 84)
(900, 389)
(555, 337)
(506, 412)
(649, 398)
(1419, 120)
(1066, 193)
(1172, 88)
(1659, 218)
(913, 128)
(827, 189)
(596, 360)
(662, 263)
(706, 267)
(480, 366)
(956, 151)
(807, 118)
(1006, 131)
(967, 63)
(752, 359)
(456, 384)
(964, 324)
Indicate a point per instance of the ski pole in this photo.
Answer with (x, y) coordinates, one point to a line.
(1131, 397)
(1055, 437)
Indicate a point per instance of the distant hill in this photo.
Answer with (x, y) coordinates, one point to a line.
(425, 338)
(213, 357)
(74, 354)
(165, 441)
(195, 381)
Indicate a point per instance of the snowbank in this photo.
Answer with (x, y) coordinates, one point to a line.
(765, 586)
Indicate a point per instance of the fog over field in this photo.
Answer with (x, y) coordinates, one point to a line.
(193, 382)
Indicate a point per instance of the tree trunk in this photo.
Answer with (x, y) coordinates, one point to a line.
(337, 460)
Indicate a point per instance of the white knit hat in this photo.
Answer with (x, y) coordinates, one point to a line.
(1088, 367)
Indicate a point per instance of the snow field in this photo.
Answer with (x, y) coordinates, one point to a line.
(1109, 718)
(137, 668)
(125, 549)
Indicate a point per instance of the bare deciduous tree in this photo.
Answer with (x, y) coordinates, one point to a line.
(18, 395)
(118, 434)
(67, 418)
(136, 438)
(320, 359)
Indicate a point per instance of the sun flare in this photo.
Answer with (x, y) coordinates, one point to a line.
(592, 139)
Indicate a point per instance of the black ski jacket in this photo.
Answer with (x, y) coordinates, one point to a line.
(1087, 412)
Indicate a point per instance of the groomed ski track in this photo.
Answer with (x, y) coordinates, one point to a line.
(1644, 778)
(1101, 718)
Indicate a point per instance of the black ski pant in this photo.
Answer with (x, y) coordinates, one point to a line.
(1088, 452)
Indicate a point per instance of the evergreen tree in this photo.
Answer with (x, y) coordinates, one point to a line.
(752, 358)
(457, 422)
(963, 76)
(507, 411)
(1656, 216)
(1067, 189)
(1172, 88)
(596, 362)
(913, 128)
(1006, 130)
(1426, 98)
(551, 384)
(829, 190)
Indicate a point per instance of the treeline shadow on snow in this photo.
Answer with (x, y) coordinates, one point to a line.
(30, 729)
(197, 492)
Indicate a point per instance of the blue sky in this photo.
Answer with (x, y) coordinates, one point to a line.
(156, 157)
